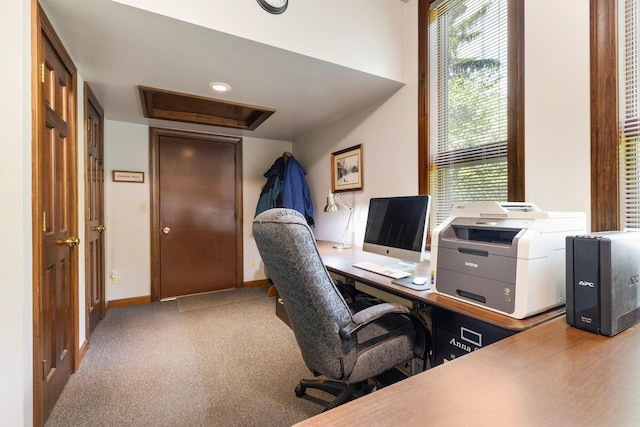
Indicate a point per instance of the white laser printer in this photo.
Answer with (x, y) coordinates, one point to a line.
(506, 257)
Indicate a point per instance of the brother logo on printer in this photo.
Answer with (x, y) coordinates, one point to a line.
(470, 264)
(585, 283)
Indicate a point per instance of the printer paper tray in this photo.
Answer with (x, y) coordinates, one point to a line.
(497, 295)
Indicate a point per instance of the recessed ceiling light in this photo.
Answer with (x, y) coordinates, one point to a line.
(220, 86)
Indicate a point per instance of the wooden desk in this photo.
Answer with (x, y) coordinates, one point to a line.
(340, 261)
(551, 375)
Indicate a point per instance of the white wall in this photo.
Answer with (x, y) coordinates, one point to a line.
(388, 132)
(557, 105)
(16, 314)
(557, 125)
(366, 35)
(127, 215)
(128, 218)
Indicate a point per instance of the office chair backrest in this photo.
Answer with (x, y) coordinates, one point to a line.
(315, 307)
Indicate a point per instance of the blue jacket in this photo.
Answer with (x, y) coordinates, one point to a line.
(295, 191)
(270, 196)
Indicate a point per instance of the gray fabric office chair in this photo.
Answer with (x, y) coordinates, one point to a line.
(343, 349)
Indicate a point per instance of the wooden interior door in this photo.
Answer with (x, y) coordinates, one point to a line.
(198, 204)
(55, 227)
(94, 212)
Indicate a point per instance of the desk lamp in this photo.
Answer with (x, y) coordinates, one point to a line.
(333, 205)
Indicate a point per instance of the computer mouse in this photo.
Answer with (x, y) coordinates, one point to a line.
(419, 280)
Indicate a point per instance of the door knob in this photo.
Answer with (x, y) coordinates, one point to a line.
(71, 242)
(100, 228)
(166, 230)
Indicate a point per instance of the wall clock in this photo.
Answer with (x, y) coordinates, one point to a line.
(274, 6)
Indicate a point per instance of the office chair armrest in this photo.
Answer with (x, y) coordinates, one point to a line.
(364, 317)
(422, 345)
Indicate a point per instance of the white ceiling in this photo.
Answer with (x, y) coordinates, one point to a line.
(117, 47)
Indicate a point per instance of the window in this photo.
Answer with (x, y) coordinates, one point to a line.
(470, 115)
(629, 94)
(615, 198)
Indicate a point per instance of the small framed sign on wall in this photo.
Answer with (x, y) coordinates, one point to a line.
(346, 169)
(128, 176)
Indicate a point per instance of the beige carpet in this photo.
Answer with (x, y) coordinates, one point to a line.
(212, 299)
(229, 364)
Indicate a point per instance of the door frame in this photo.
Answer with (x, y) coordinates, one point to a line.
(154, 183)
(40, 25)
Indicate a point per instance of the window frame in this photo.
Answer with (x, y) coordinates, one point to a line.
(605, 160)
(515, 100)
(605, 115)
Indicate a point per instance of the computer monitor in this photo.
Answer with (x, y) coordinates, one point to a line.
(397, 227)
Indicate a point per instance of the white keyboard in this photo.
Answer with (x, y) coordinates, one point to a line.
(382, 269)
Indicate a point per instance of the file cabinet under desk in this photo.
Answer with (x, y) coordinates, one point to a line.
(456, 335)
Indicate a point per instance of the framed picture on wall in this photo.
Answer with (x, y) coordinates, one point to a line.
(346, 169)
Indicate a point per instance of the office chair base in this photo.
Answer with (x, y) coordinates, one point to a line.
(341, 390)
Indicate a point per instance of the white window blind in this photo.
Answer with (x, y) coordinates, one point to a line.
(630, 113)
(467, 103)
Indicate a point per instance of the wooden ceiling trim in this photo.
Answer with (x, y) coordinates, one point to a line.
(166, 105)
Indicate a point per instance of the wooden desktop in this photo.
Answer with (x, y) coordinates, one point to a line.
(340, 261)
(547, 374)
(550, 375)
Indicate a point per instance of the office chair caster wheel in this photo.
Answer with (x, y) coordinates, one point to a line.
(300, 390)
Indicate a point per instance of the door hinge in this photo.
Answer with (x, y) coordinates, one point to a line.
(42, 72)
(44, 222)
(44, 370)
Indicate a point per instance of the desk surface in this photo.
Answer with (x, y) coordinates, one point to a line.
(549, 375)
(341, 262)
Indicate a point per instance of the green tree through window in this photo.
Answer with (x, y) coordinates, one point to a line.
(468, 95)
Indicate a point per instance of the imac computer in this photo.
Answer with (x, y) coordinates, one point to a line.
(397, 227)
